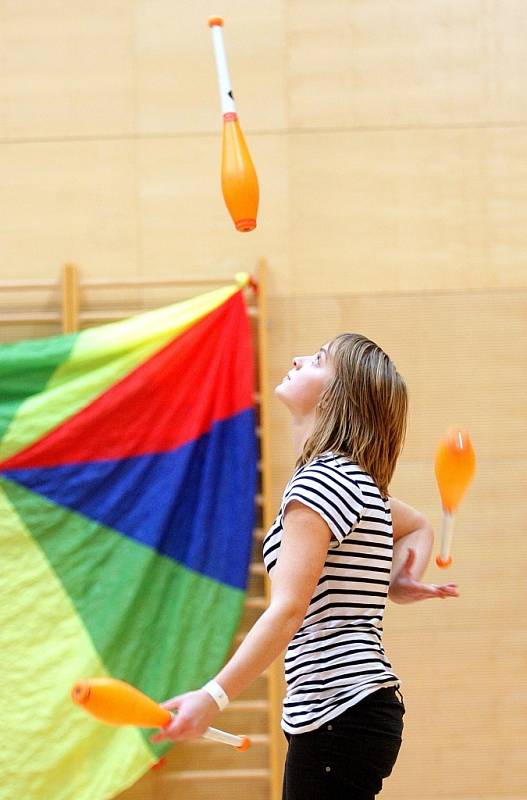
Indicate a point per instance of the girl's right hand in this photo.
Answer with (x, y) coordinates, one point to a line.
(405, 589)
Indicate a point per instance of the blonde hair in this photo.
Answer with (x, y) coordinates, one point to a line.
(362, 411)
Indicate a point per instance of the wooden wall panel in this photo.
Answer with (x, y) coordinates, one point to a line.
(68, 201)
(405, 63)
(67, 69)
(399, 210)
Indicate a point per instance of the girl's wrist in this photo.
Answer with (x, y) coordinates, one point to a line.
(217, 693)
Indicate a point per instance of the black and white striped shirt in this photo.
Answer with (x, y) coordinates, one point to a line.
(336, 657)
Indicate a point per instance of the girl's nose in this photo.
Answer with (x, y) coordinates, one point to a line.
(297, 362)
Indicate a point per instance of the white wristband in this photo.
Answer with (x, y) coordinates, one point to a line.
(217, 694)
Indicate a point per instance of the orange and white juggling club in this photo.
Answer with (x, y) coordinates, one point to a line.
(238, 177)
(118, 703)
(455, 465)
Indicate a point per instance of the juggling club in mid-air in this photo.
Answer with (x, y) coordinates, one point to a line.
(238, 177)
(455, 464)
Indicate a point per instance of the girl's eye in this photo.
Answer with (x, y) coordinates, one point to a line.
(317, 359)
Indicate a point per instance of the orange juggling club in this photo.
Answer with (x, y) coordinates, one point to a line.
(238, 177)
(118, 703)
(455, 465)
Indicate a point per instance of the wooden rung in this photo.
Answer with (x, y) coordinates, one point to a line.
(257, 568)
(40, 316)
(29, 284)
(258, 533)
(259, 500)
(122, 283)
(247, 705)
(112, 315)
(256, 602)
(117, 314)
(219, 775)
(256, 738)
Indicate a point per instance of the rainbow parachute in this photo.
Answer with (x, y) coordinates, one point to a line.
(127, 484)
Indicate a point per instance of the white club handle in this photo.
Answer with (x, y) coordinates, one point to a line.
(222, 737)
(224, 81)
(241, 742)
(444, 559)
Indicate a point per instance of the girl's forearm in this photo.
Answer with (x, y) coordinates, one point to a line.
(421, 541)
(268, 637)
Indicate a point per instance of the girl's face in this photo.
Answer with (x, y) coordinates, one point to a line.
(303, 385)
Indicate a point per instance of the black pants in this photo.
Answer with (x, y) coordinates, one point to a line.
(347, 758)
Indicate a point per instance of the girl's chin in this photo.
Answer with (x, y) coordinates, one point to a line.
(282, 389)
(282, 392)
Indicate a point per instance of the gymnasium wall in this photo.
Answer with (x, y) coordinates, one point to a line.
(390, 141)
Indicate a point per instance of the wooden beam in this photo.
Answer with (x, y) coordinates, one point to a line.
(122, 283)
(70, 298)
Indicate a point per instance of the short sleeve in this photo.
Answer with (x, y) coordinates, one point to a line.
(331, 493)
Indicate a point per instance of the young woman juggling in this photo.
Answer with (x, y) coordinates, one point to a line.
(338, 548)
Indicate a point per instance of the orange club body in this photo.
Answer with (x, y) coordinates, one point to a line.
(118, 703)
(455, 464)
(454, 467)
(239, 182)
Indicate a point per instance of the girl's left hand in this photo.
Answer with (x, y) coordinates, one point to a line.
(405, 589)
(195, 712)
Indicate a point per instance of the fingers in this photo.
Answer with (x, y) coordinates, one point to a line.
(171, 704)
(427, 591)
(162, 737)
(449, 591)
(174, 731)
(407, 590)
(445, 590)
(159, 737)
